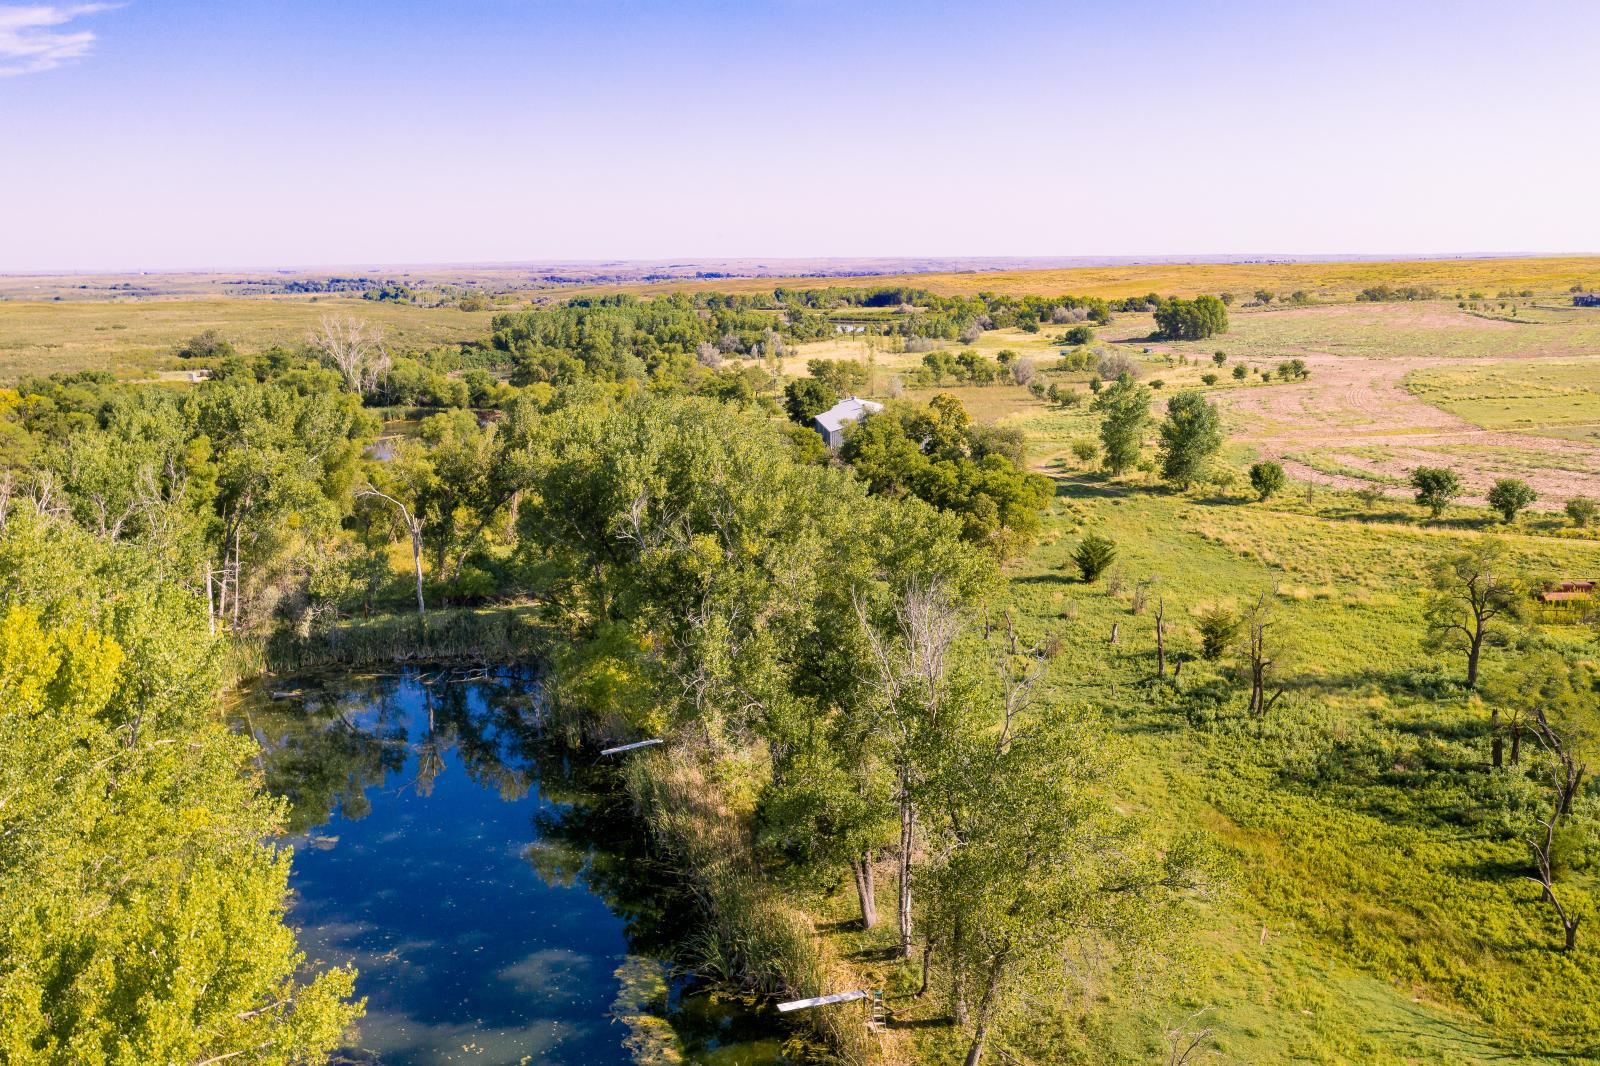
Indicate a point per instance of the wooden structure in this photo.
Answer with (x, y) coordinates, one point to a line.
(1567, 592)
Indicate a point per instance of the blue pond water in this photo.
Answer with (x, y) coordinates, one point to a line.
(494, 896)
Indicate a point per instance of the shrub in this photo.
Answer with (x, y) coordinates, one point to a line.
(1208, 379)
(208, 345)
(1078, 335)
(1219, 357)
(1085, 451)
(1582, 510)
(1267, 478)
(1240, 372)
(1510, 496)
(1115, 364)
(1218, 626)
(1095, 553)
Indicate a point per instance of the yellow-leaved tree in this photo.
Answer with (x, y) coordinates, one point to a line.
(141, 901)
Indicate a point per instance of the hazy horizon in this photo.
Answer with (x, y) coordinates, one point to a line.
(171, 135)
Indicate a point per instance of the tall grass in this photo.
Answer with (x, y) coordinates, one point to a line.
(493, 635)
(752, 936)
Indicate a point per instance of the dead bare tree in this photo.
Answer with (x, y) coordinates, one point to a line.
(1183, 1042)
(1567, 771)
(355, 350)
(1161, 638)
(1258, 622)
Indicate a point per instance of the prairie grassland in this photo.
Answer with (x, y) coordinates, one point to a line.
(1337, 281)
(1528, 396)
(1373, 909)
(132, 338)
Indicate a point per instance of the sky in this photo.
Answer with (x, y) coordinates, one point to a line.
(230, 134)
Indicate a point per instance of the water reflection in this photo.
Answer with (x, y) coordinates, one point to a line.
(492, 892)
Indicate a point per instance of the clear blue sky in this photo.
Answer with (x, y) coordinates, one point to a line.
(238, 133)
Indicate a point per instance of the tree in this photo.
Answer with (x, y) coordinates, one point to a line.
(1267, 478)
(1190, 436)
(806, 398)
(1078, 336)
(1470, 590)
(1257, 622)
(1218, 628)
(1093, 556)
(1563, 719)
(355, 350)
(1582, 510)
(1510, 496)
(210, 344)
(141, 901)
(1219, 357)
(916, 700)
(1032, 857)
(413, 526)
(842, 377)
(1125, 408)
(1436, 487)
(1191, 320)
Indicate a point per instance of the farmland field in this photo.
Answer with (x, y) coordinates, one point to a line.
(135, 337)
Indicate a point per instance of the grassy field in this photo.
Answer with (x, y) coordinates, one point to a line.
(134, 338)
(1544, 276)
(1531, 396)
(1373, 912)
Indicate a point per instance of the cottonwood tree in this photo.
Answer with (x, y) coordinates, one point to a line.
(1030, 859)
(915, 703)
(1125, 411)
(1470, 590)
(1191, 434)
(141, 905)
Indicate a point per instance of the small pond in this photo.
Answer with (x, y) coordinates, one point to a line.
(494, 893)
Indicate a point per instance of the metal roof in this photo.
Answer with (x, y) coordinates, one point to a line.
(846, 411)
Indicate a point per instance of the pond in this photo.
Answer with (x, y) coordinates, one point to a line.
(494, 893)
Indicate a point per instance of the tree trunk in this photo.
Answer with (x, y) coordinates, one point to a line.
(1161, 644)
(865, 893)
(416, 562)
(907, 826)
(1516, 747)
(958, 977)
(1472, 657)
(1496, 745)
(985, 1015)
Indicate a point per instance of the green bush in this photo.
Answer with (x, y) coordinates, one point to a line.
(1094, 555)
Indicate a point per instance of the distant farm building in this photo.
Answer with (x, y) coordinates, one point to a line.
(1586, 299)
(831, 422)
(1567, 591)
